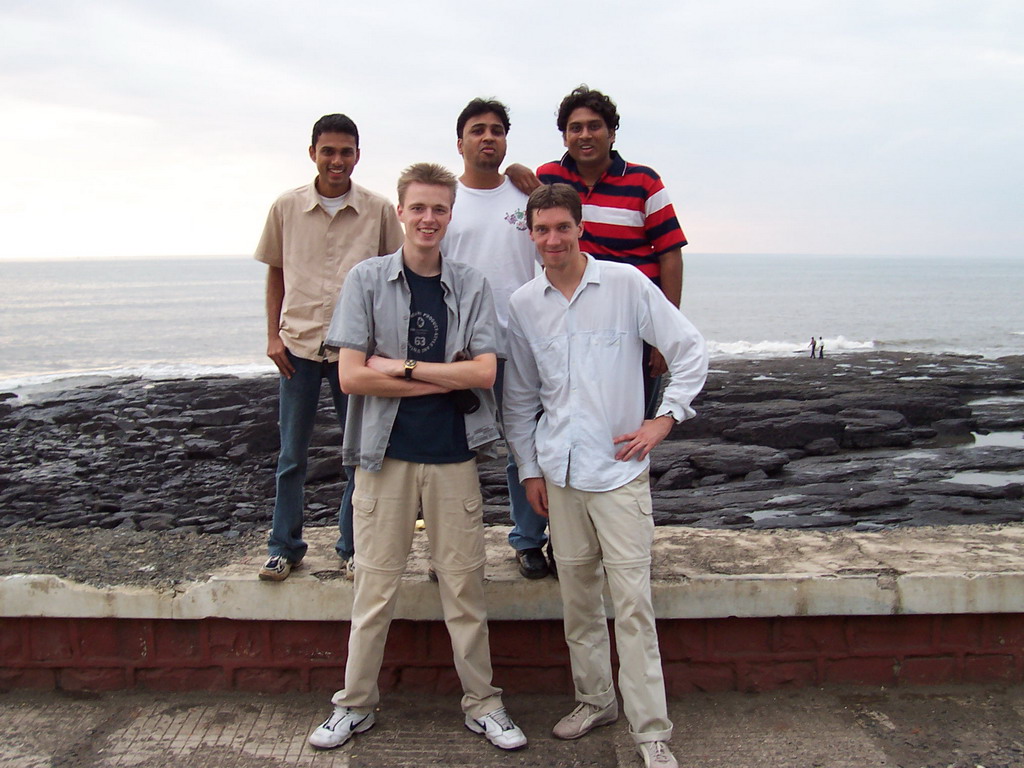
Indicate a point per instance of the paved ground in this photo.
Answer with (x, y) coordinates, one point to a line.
(962, 727)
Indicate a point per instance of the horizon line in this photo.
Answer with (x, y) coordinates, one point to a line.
(686, 254)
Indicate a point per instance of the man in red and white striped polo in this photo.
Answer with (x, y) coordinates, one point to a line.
(627, 214)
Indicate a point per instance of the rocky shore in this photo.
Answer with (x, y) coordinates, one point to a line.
(866, 440)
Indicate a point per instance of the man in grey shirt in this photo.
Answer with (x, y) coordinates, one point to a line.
(416, 354)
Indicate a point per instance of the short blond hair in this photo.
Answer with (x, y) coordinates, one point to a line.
(426, 173)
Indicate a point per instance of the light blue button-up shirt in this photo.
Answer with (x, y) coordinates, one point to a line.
(577, 362)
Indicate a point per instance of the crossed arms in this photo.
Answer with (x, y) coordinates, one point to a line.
(384, 377)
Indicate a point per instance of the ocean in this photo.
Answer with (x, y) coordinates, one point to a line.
(169, 318)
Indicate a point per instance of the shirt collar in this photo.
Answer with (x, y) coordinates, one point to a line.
(396, 269)
(355, 197)
(617, 168)
(591, 275)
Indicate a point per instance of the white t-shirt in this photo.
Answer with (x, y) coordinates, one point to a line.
(488, 231)
(333, 204)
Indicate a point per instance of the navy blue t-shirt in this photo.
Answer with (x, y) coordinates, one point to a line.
(428, 429)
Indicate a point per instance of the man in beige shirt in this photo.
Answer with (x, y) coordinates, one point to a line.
(313, 236)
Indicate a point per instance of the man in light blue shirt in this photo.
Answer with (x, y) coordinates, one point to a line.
(575, 340)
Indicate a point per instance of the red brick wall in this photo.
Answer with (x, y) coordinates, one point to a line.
(528, 656)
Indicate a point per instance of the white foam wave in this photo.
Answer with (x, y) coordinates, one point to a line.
(34, 385)
(769, 348)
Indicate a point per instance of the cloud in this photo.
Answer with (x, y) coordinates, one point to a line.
(793, 126)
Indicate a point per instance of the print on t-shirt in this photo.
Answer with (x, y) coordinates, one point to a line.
(428, 429)
(517, 219)
(424, 333)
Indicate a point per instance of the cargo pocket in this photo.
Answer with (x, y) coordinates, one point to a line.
(465, 544)
(363, 505)
(362, 529)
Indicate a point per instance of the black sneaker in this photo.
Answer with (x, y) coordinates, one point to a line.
(532, 564)
(552, 566)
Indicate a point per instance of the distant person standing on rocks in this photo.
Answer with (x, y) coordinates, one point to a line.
(814, 345)
(417, 344)
(821, 349)
(576, 336)
(313, 236)
(488, 231)
(627, 214)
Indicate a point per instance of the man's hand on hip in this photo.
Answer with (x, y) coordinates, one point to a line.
(640, 442)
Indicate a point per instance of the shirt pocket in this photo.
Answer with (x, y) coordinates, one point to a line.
(600, 352)
(552, 357)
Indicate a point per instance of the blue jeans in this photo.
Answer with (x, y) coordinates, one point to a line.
(299, 397)
(528, 528)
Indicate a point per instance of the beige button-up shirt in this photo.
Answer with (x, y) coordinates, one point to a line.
(316, 252)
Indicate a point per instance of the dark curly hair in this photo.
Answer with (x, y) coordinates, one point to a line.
(584, 96)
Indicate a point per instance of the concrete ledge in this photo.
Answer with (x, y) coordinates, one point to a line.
(697, 574)
(737, 611)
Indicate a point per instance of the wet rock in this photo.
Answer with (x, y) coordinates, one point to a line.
(156, 522)
(856, 440)
(220, 417)
(330, 435)
(873, 500)
(323, 469)
(953, 427)
(678, 476)
(712, 480)
(826, 446)
(972, 490)
(736, 460)
(787, 431)
(915, 404)
(199, 448)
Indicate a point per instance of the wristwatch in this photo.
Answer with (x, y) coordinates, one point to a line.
(409, 365)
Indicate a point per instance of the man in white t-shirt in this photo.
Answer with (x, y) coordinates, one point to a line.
(488, 231)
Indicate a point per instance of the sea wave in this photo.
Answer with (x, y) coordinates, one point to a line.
(29, 386)
(769, 348)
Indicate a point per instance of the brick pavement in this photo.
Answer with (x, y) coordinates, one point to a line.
(825, 728)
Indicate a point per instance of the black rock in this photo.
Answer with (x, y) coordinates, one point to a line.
(777, 443)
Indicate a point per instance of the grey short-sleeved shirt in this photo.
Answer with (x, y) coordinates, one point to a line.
(372, 316)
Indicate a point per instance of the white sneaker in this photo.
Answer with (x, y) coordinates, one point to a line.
(277, 568)
(656, 754)
(339, 727)
(499, 729)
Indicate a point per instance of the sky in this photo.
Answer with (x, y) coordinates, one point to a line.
(156, 128)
